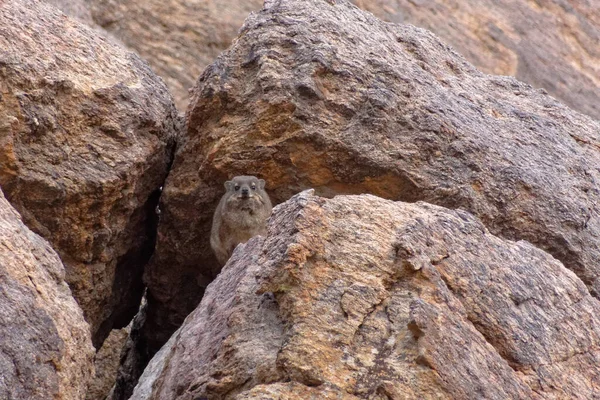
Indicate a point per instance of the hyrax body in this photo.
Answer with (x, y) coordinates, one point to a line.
(241, 214)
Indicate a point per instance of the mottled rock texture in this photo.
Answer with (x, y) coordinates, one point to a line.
(551, 44)
(358, 297)
(106, 363)
(86, 132)
(45, 344)
(321, 94)
(179, 38)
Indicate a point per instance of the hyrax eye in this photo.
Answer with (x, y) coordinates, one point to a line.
(237, 187)
(253, 187)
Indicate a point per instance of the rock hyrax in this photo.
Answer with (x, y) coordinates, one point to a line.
(241, 214)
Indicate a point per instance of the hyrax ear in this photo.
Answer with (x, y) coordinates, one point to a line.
(229, 186)
(261, 183)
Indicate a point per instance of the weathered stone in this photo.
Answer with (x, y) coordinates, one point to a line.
(364, 298)
(86, 134)
(45, 345)
(106, 363)
(550, 44)
(179, 38)
(145, 386)
(82, 11)
(134, 358)
(320, 94)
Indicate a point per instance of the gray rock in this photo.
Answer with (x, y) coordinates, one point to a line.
(45, 348)
(364, 298)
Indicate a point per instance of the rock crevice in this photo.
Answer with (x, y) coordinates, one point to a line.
(393, 112)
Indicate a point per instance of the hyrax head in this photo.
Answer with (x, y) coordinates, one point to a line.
(245, 187)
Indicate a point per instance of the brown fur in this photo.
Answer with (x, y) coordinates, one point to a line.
(239, 217)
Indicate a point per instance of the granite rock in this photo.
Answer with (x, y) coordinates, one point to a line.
(86, 138)
(358, 297)
(323, 95)
(46, 349)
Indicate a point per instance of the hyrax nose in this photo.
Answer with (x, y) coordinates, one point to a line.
(245, 191)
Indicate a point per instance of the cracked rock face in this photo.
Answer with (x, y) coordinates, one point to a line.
(86, 132)
(324, 95)
(45, 345)
(359, 297)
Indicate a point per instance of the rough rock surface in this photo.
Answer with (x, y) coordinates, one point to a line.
(45, 345)
(364, 298)
(550, 44)
(320, 94)
(179, 38)
(80, 9)
(106, 363)
(86, 132)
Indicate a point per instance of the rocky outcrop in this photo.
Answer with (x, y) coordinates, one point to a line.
(179, 38)
(364, 298)
(45, 347)
(549, 44)
(323, 95)
(86, 135)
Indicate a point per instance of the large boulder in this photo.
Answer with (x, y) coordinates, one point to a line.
(86, 138)
(321, 94)
(549, 44)
(364, 298)
(179, 38)
(45, 344)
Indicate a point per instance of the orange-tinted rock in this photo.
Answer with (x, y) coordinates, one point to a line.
(324, 95)
(364, 298)
(86, 135)
(45, 344)
(179, 38)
